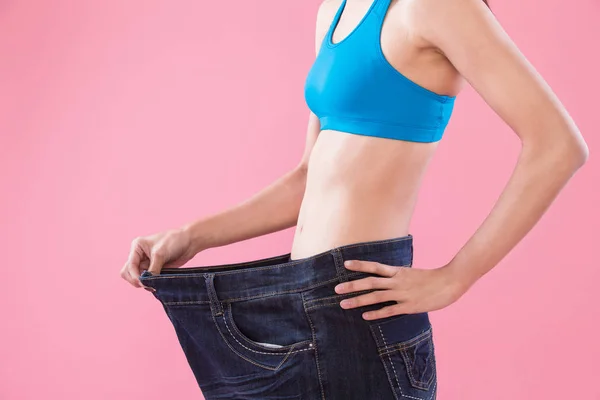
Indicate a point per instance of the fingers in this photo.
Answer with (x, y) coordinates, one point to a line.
(378, 296)
(144, 264)
(125, 274)
(372, 267)
(371, 282)
(157, 260)
(131, 270)
(145, 253)
(387, 311)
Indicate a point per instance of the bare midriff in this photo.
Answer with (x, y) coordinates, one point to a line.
(358, 188)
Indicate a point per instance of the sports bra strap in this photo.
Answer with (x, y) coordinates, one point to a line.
(380, 9)
(336, 19)
(373, 19)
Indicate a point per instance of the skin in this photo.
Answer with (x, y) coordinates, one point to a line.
(333, 200)
(552, 146)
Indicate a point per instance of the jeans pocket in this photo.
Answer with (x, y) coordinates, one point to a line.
(265, 331)
(406, 349)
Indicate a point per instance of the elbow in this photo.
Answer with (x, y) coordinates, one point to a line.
(299, 175)
(569, 150)
(302, 168)
(574, 145)
(577, 150)
(574, 155)
(584, 153)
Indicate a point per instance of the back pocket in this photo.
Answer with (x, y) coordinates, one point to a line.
(405, 347)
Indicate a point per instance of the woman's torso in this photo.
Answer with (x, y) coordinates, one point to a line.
(362, 188)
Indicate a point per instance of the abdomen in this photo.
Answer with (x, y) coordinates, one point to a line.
(359, 188)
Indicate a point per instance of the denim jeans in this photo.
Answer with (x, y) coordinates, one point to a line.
(273, 328)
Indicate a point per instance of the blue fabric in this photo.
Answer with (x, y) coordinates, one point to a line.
(353, 88)
(273, 328)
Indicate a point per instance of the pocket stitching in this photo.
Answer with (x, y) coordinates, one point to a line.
(406, 358)
(237, 352)
(404, 345)
(249, 360)
(399, 386)
(276, 351)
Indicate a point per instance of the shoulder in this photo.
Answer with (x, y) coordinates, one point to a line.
(326, 11)
(330, 3)
(434, 10)
(437, 19)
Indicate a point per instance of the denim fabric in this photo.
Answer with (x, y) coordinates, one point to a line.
(273, 328)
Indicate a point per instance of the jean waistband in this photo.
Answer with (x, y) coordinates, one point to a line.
(273, 275)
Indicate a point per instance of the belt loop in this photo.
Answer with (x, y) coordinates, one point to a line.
(342, 272)
(215, 305)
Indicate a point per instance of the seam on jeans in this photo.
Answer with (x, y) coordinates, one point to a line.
(329, 304)
(237, 352)
(408, 343)
(282, 265)
(387, 371)
(340, 295)
(418, 383)
(433, 390)
(322, 283)
(391, 363)
(312, 328)
(262, 352)
(181, 303)
(282, 349)
(334, 300)
(251, 361)
(352, 274)
(396, 374)
(394, 347)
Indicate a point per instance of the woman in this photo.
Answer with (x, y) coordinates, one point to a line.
(381, 92)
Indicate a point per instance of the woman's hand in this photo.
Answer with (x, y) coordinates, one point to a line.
(171, 249)
(415, 290)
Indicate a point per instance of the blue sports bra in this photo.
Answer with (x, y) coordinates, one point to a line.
(352, 87)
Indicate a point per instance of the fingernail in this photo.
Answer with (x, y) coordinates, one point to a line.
(345, 303)
(339, 288)
(348, 263)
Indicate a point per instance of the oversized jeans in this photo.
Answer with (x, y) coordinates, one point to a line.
(273, 328)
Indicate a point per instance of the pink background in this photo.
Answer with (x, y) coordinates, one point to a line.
(124, 118)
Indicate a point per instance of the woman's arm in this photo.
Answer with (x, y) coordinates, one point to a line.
(552, 147)
(552, 150)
